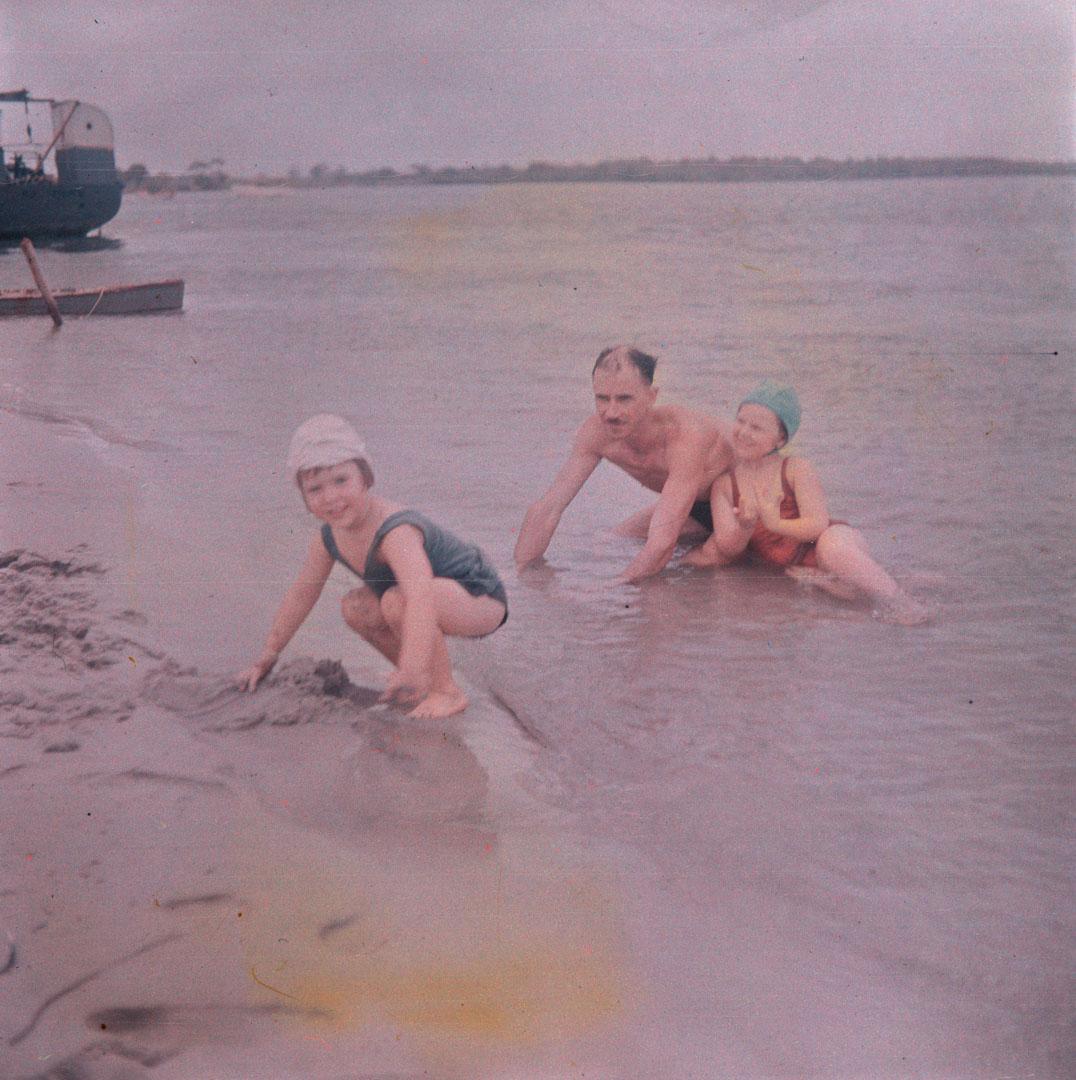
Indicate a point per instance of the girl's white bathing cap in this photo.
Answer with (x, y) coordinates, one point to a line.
(321, 442)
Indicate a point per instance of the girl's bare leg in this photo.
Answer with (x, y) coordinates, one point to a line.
(456, 613)
(843, 553)
(362, 612)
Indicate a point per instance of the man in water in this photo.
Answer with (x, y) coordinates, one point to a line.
(675, 451)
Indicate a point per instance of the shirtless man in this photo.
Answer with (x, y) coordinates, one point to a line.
(675, 451)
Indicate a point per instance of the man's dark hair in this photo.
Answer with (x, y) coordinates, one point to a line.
(613, 358)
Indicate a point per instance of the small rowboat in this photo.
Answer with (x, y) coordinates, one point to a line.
(107, 300)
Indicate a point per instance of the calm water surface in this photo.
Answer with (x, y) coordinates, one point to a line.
(842, 845)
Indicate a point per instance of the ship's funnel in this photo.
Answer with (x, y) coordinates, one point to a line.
(83, 125)
(84, 152)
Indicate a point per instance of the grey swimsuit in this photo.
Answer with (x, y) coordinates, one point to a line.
(449, 557)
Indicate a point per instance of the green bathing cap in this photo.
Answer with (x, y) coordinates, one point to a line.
(779, 399)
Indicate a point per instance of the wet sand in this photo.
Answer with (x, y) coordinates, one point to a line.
(298, 882)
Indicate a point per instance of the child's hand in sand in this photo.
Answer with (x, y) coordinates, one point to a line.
(405, 688)
(248, 679)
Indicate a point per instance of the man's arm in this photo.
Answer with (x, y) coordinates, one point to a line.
(686, 476)
(543, 516)
(733, 527)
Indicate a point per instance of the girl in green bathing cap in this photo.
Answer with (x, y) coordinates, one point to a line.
(772, 507)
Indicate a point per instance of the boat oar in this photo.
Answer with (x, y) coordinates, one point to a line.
(39, 278)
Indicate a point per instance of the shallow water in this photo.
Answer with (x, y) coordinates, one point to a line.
(841, 847)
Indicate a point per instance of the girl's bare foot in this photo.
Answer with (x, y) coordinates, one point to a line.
(904, 610)
(400, 694)
(440, 703)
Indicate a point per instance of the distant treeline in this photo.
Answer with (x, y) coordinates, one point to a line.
(200, 176)
(210, 176)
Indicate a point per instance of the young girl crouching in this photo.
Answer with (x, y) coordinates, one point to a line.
(420, 582)
(773, 508)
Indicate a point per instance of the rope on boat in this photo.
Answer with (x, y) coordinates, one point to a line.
(97, 301)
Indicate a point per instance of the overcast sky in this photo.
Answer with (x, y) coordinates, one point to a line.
(272, 84)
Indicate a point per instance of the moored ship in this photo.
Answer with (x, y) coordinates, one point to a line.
(57, 168)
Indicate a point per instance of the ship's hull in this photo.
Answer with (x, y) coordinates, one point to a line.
(44, 208)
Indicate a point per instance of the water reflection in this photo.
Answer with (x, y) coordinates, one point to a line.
(392, 895)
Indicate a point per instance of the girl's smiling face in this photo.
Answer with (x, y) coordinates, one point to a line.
(336, 494)
(756, 432)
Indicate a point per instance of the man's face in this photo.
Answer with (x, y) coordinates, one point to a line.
(622, 398)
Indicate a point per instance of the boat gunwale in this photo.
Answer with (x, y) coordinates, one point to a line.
(31, 293)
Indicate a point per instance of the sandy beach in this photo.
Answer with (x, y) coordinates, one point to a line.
(297, 882)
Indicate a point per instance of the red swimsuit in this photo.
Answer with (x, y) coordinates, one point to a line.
(771, 547)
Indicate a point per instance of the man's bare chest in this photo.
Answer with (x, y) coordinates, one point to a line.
(650, 465)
